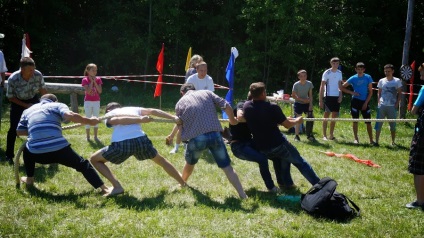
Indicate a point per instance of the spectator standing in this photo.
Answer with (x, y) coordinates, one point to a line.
(302, 94)
(389, 96)
(93, 89)
(330, 96)
(361, 96)
(23, 88)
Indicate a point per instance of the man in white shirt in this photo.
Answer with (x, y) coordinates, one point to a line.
(330, 96)
(201, 80)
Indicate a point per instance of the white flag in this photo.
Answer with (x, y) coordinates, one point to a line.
(25, 51)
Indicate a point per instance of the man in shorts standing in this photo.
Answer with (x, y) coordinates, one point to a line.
(330, 96)
(389, 95)
(129, 139)
(361, 96)
(302, 94)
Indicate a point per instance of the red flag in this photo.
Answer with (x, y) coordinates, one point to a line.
(159, 67)
(411, 86)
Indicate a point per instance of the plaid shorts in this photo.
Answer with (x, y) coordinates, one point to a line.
(141, 147)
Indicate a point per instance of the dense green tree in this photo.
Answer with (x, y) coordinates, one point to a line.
(274, 38)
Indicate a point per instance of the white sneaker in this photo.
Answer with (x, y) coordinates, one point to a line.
(173, 151)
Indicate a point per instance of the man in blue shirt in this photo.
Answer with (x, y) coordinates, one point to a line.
(361, 96)
(46, 144)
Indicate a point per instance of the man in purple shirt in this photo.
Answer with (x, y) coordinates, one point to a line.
(201, 130)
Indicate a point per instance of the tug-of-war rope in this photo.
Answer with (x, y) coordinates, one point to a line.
(18, 154)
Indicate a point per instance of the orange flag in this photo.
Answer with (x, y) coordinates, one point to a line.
(159, 68)
(352, 157)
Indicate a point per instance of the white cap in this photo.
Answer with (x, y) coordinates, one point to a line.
(1, 35)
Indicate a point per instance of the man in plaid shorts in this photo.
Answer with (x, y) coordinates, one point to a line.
(129, 139)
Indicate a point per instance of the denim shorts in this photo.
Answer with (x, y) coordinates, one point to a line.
(212, 141)
(141, 147)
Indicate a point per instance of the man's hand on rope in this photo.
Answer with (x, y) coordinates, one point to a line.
(178, 121)
(93, 121)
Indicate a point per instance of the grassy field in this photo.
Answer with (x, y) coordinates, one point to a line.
(64, 205)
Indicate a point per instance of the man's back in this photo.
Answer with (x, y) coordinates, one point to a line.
(197, 110)
(43, 123)
(263, 119)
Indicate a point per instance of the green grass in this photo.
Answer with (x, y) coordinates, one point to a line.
(64, 205)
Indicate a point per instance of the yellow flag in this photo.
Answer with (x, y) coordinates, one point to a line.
(188, 59)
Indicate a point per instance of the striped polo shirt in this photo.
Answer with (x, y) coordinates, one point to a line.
(43, 123)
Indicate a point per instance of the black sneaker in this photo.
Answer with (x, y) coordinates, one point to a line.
(311, 138)
(296, 138)
(414, 205)
(375, 144)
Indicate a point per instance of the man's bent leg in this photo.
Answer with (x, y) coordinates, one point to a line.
(244, 151)
(169, 168)
(293, 156)
(187, 171)
(234, 180)
(98, 161)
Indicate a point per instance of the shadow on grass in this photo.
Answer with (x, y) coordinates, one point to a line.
(230, 203)
(148, 203)
(42, 172)
(74, 197)
(271, 199)
(96, 144)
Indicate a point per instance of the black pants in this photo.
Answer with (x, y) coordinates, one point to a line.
(66, 156)
(15, 115)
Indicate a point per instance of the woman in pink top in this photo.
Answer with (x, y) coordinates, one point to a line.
(93, 89)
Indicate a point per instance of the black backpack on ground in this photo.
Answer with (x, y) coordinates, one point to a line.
(322, 200)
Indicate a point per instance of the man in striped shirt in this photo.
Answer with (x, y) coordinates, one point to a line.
(46, 144)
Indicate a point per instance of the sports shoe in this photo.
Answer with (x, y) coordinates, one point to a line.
(355, 142)
(393, 144)
(414, 205)
(375, 144)
(324, 138)
(311, 138)
(173, 151)
(274, 190)
(296, 138)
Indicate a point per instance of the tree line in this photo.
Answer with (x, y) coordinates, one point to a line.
(275, 38)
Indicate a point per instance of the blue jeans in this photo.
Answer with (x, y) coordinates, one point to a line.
(244, 151)
(212, 141)
(287, 154)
